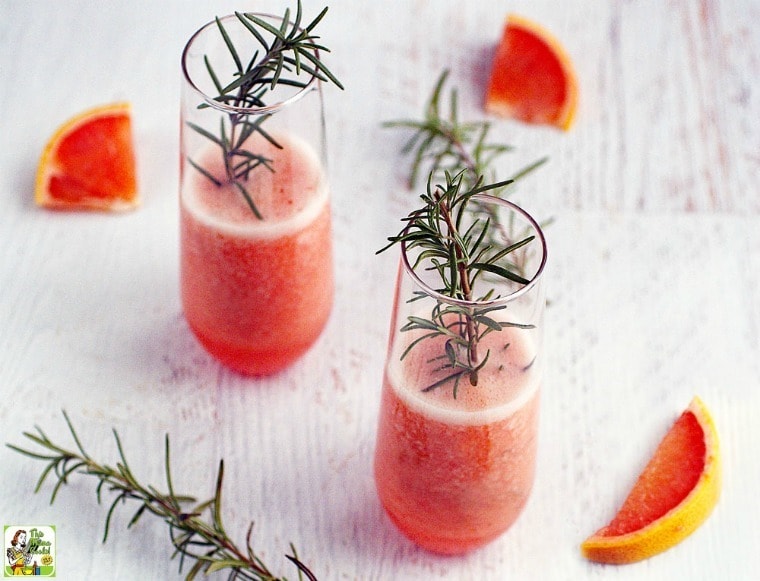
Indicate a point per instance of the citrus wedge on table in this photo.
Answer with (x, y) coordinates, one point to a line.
(89, 163)
(672, 497)
(532, 77)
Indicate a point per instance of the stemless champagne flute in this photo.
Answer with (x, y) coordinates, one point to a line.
(256, 269)
(458, 424)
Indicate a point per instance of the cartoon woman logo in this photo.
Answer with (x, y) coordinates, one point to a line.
(18, 553)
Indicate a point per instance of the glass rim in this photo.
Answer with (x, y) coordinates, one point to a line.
(505, 299)
(267, 109)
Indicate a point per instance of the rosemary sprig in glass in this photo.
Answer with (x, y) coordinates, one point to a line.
(292, 50)
(203, 540)
(459, 252)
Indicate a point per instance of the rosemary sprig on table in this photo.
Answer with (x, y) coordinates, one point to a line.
(291, 51)
(460, 253)
(441, 142)
(203, 540)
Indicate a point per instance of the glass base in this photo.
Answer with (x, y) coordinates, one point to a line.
(252, 361)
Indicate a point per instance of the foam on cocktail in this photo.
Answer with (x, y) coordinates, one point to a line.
(289, 198)
(503, 388)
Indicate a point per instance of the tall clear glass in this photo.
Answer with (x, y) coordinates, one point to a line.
(455, 453)
(256, 269)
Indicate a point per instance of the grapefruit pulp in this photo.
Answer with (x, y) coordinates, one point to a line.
(89, 163)
(532, 77)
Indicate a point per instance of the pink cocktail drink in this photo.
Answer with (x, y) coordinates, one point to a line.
(453, 473)
(458, 423)
(258, 292)
(256, 253)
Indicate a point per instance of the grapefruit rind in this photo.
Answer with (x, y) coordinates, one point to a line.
(49, 168)
(679, 522)
(498, 102)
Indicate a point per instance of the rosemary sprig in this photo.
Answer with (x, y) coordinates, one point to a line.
(292, 50)
(459, 252)
(441, 143)
(203, 540)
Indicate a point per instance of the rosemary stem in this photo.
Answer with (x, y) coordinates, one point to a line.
(464, 277)
(466, 159)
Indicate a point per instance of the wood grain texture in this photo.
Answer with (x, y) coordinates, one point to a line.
(653, 284)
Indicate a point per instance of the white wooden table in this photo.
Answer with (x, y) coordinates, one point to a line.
(653, 281)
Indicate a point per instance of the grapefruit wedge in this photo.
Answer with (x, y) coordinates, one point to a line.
(672, 497)
(89, 163)
(532, 78)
